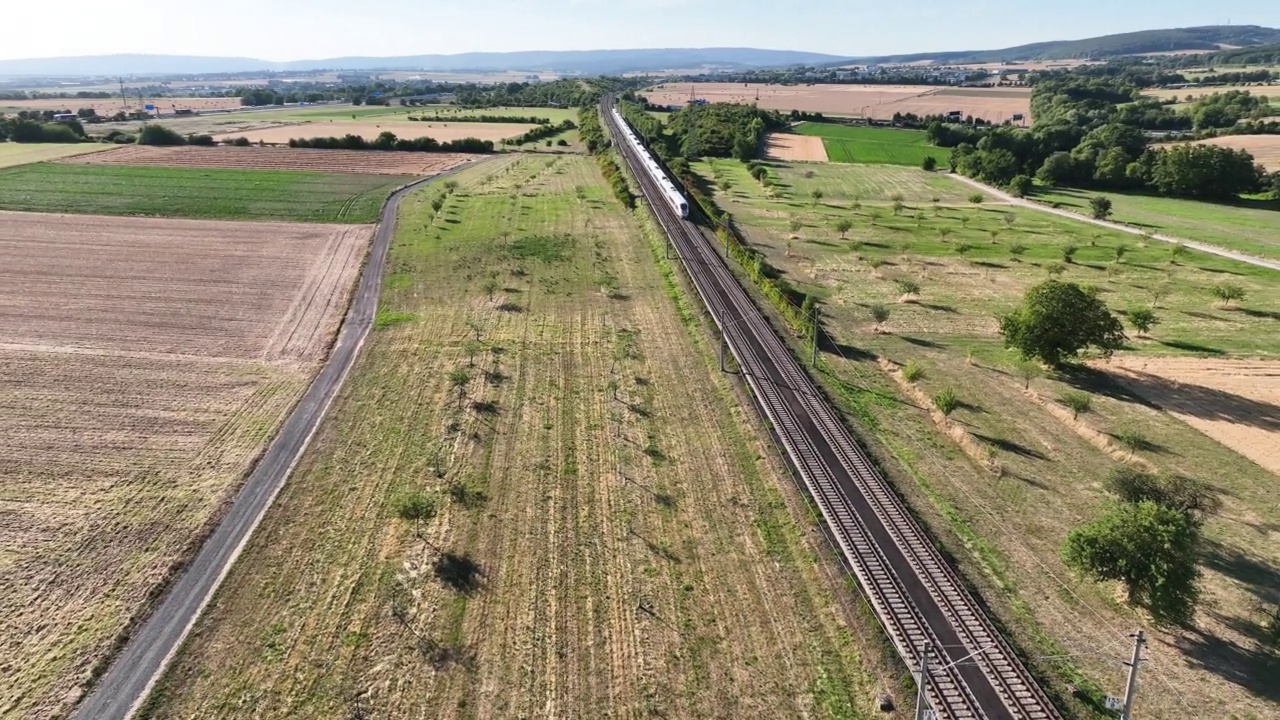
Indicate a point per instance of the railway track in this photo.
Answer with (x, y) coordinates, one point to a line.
(919, 599)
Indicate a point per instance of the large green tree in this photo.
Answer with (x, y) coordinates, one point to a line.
(1059, 319)
(1151, 549)
(1206, 171)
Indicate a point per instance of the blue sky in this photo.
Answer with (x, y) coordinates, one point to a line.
(303, 29)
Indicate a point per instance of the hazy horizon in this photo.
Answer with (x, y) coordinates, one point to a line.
(292, 30)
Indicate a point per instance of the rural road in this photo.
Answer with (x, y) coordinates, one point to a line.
(1202, 247)
(153, 644)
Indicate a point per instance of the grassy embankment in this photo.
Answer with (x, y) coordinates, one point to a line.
(1250, 226)
(611, 532)
(197, 192)
(874, 145)
(1006, 512)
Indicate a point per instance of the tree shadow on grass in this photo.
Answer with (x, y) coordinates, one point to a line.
(1255, 574)
(1192, 347)
(921, 342)
(1252, 668)
(459, 572)
(1205, 402)
(1011, 447)
(1269, 314)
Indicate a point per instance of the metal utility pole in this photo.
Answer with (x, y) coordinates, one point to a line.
(814, 361)
(723, 369)
(1131, 687)
(922, 685)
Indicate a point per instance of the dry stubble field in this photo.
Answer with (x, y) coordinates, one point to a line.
(144, 364)
(787, 147)
(444, 132)
(613, 538)
(278, 158)
(876, 101)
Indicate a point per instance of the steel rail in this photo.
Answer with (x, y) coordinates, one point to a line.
(917, 596)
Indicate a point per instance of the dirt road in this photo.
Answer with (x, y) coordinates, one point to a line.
(136, 669)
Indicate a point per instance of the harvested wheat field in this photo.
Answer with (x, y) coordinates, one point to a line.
(1236, 402)
(12, 154)
(144, 364)
(1265, 149)
(787, 147)
(444, 132)
(592, 557)
(110, 106)
(279, 158)
(875, 101)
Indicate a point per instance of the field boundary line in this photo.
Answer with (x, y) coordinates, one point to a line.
(151, 648)
(1193, 244)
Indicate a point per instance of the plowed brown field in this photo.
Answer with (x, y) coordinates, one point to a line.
(876, 101)
(144, 364)
(279, 158)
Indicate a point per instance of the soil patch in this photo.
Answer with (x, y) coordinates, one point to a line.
(278, 158)
(785, 146)
(144, 364)
(1236, 402)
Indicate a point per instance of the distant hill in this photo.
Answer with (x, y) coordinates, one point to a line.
(1208, 38)
(595, 62)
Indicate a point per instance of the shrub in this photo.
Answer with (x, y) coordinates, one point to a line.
(1132, 439)
(1054, 269)
(1017, 250)
(907, 286)
(241, 142)
(946, 401)
(1069, 253)
(1143, 319)
(879, 313)
(152, 134)
(929, 164)
(1100, 207)
(1228, 293)
(977, 198)
(913, 371)
(1077, 402)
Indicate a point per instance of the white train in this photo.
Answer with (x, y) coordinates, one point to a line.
(673, 196)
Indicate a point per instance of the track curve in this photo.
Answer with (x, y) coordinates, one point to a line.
(918, 598)
(136, 668)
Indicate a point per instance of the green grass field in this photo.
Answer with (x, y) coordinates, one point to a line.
(1251, 227)
(874, 145)
(12, 154)
(971, 263)
(196, 193)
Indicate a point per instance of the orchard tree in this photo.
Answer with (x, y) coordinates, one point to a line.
(929, 164)
(1059, 319)
(843, 226)
(1100, 206)
(1151, 549)
(1143, 319)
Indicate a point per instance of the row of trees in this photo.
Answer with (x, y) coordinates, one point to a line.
(387, 140)
(26, 130)
(541, 132)
(1082, 139)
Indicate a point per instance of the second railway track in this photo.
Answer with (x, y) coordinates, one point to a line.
(918, 598)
